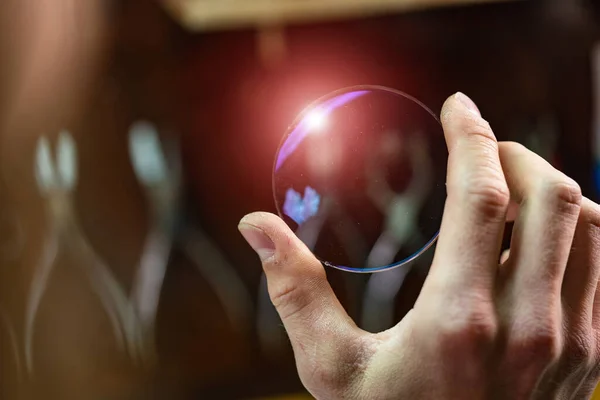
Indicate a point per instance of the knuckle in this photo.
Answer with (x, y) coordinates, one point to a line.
(488, 197)
(595, 356)
(514, 147)
(512, 150)
(470, 332)
(480, 129)
(579, 350)
(292, 293)
(289, 299)
(541, 348)
(595, 368)
(480, 183)
(591, 213)
(480, 138)
(563, 193)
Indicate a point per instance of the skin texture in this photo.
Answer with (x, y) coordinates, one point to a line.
(527, 328)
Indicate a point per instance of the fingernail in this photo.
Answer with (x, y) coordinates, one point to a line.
(467, 102)
(258, 240)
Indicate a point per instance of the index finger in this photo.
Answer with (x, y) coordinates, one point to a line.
(470, 237)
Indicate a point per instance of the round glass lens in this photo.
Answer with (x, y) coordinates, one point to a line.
(360, 178)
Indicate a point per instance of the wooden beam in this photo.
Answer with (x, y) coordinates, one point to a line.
(206, 15)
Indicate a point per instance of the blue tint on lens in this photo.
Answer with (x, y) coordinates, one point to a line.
(300, 209)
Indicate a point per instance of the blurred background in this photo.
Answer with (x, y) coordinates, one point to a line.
(135, 134)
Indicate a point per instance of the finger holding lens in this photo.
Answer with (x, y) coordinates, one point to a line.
(455, 315)
(466, 259)
(330, 350)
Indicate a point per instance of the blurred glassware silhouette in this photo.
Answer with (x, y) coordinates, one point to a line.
(159, 173)
(158, 169)
(11, 246)
(157, 164)
(56, 181)
(402, 211)
(8, 327)
(221, 276)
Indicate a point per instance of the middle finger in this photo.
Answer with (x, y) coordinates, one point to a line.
(549, 206)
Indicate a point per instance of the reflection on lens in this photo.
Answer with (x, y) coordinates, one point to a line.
(360, 178)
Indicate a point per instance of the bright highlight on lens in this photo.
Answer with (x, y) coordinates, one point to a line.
(316, 120)
(360, 178)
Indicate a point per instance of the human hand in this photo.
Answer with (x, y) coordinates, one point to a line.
(525, 328)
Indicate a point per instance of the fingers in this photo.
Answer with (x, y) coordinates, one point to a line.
(319, 328)
(587, 250)
(583, 269)
(466, 257)
(549, 205)
(578, 292)
(297, 282)
(596, 315)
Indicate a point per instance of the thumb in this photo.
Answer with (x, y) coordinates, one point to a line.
(297, 282)
(298, 287)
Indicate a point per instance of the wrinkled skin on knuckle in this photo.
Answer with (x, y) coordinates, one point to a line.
(479, 181)
(470, 124)
(292, 297)
(469, 334)
(592, 218)
(576, 374)
(298, 260)
(560, 193)
(535, 350)
(488, 198)
(480, 132)
(291, 293)
(589, 224)
(528, 361)
(461, 326)
(579, 353)
(481, 184)
(594, 374)
(288, 299)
